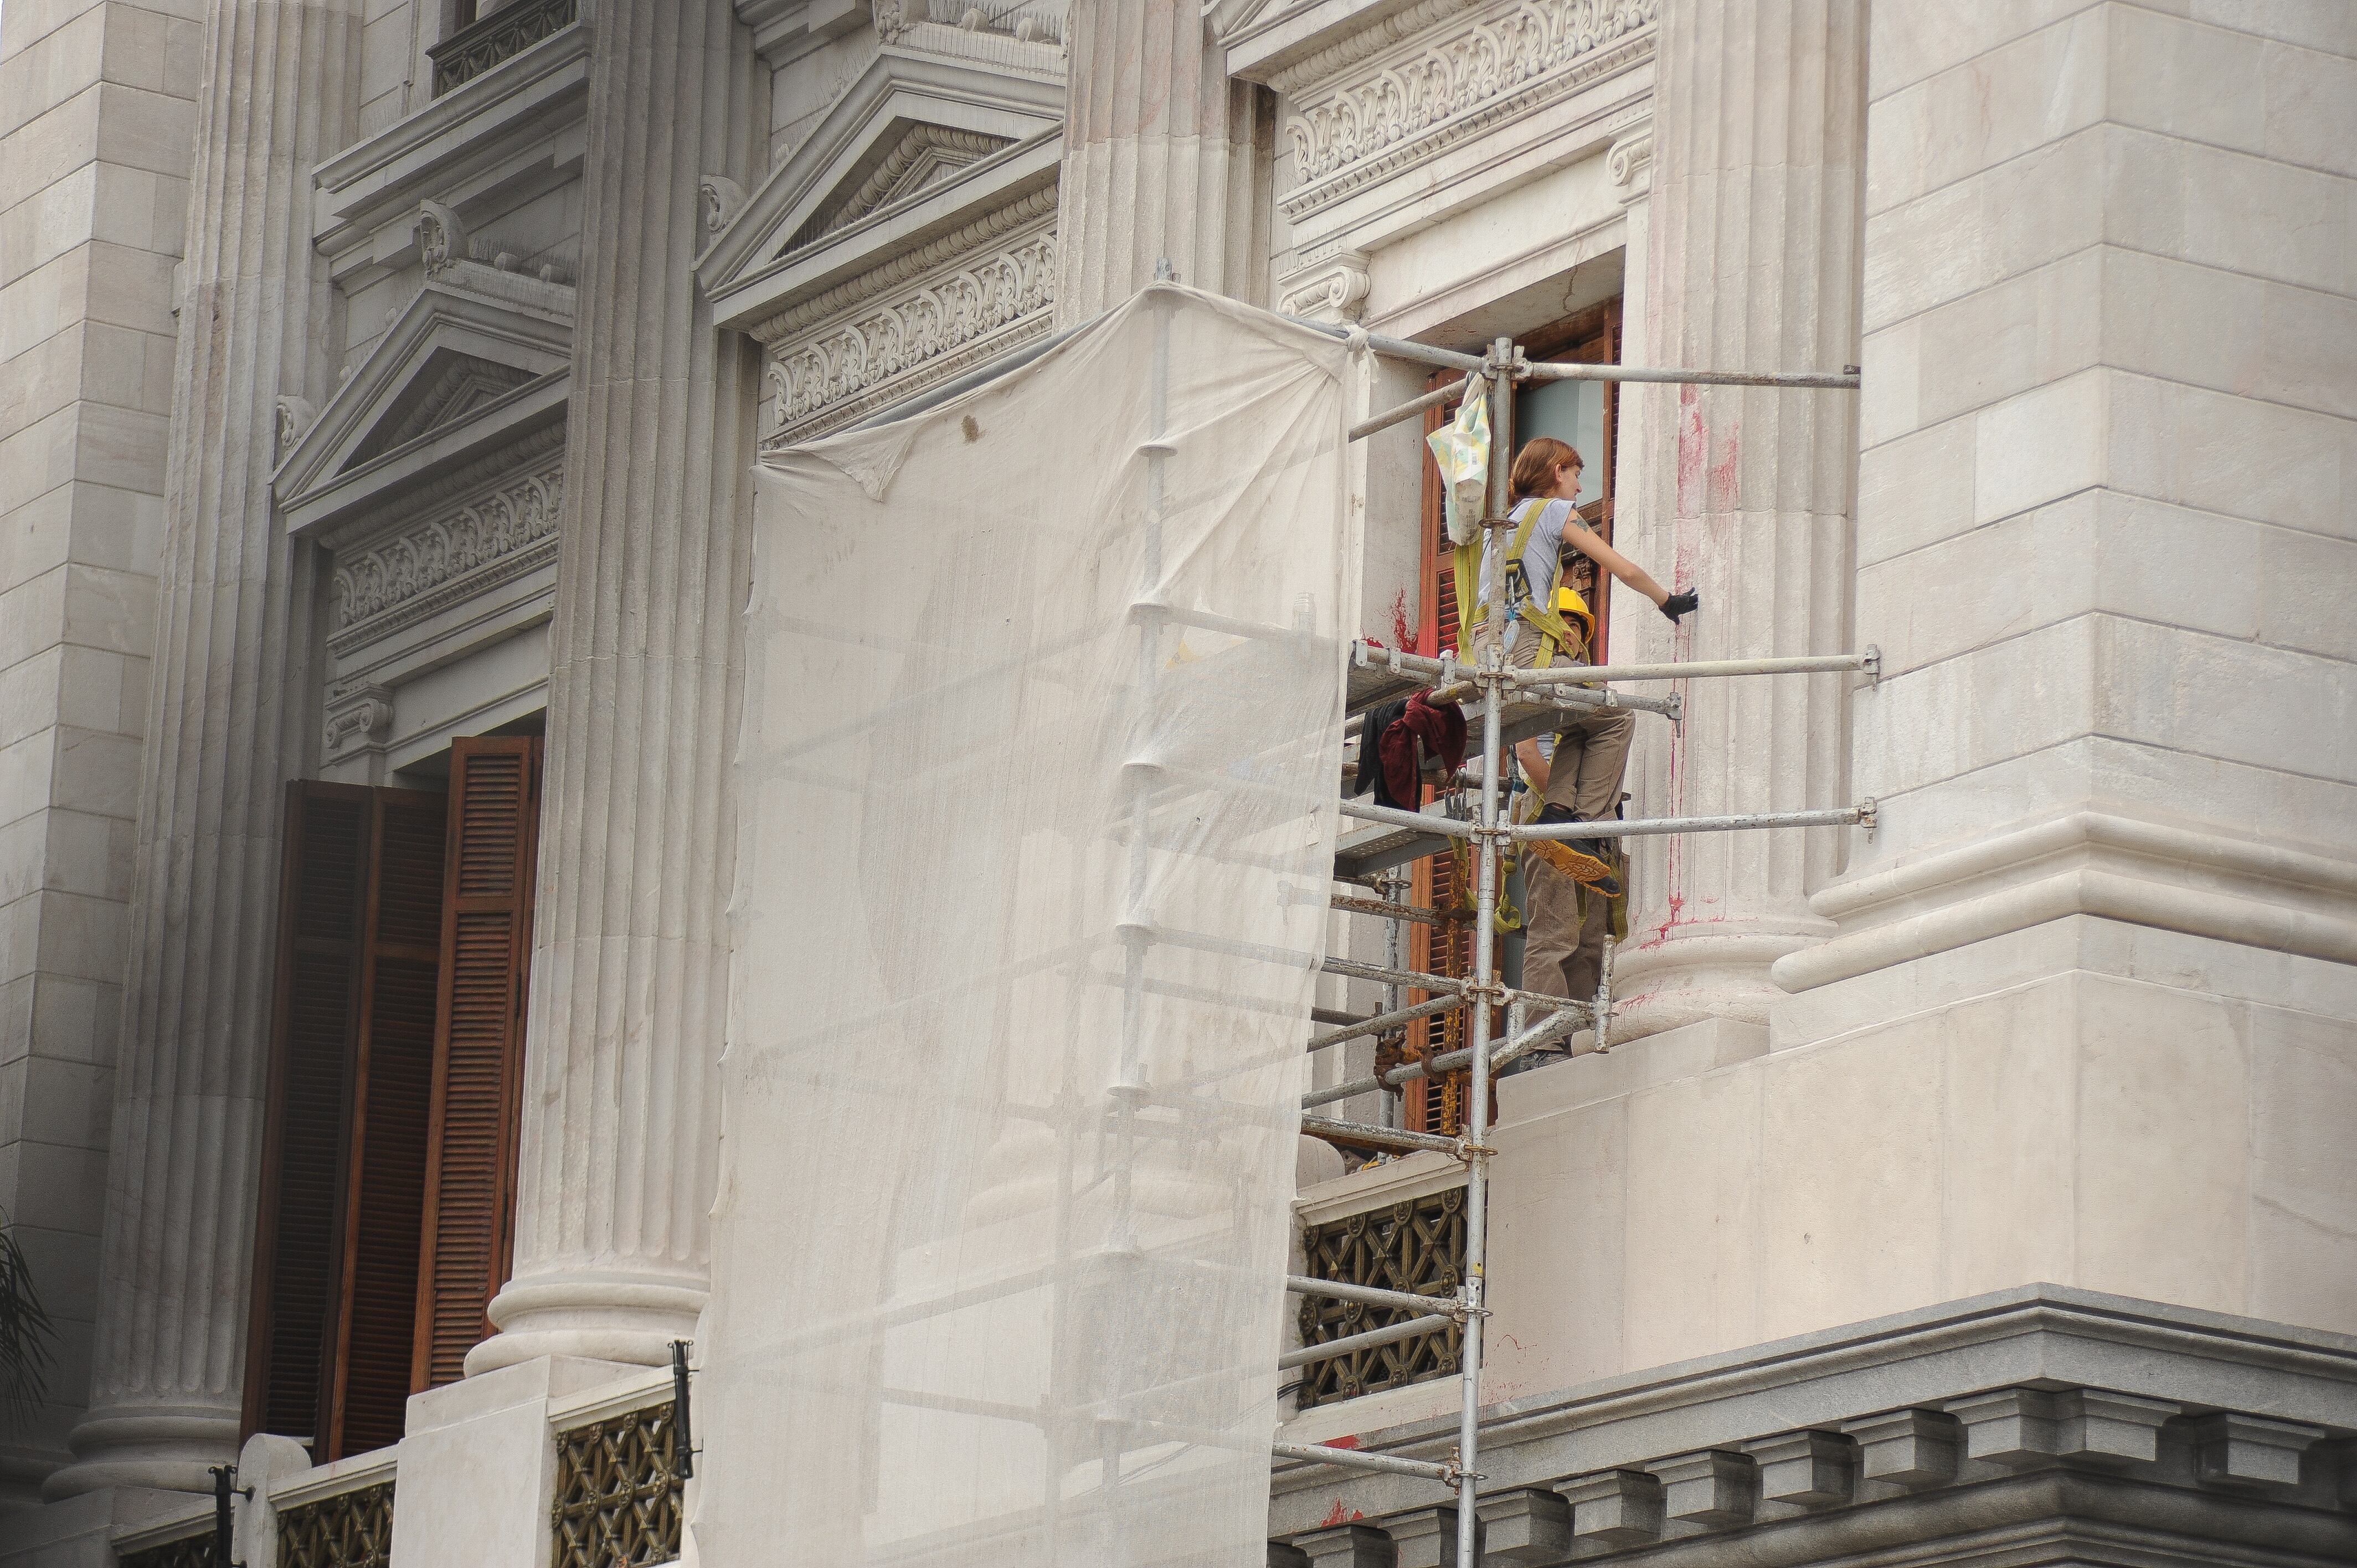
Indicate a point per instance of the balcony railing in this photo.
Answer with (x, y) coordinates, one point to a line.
(617, 1491)
(1416, 1245)
(500, 37)
(343, 1530)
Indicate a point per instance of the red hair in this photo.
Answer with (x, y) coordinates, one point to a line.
(1536, 464)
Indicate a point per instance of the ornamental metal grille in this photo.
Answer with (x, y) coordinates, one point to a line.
(1416, 1245)
(501, 36)
(349, 1530)
(189, 1551)
(617, 1492)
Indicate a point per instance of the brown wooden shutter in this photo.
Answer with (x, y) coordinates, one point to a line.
(385, 1164)
(486, 946)
(323, 881)
(344, 1134)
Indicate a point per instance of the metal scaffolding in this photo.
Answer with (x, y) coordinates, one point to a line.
(1513, 704)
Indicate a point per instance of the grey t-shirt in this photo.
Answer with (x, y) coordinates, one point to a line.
(1542, 559)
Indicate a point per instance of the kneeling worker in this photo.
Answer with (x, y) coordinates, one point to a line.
(1524, 604)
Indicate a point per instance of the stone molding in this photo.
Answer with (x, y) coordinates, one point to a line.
(869, 351)
(359, 718)
(501, 532)
(2097, 1374)
(924, 154)
(1630, 163)
(2088, 863)
(1333, 288)
(1444, 85)
(1344, 53)
(718, 199)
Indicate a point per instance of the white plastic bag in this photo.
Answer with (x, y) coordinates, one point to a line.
(1461, 447)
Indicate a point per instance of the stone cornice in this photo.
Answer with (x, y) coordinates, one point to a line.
(900, 269)
(505, 113)
(1851, 1383)
(884, 347)
(466, 477)
(1344, 53)
(1430, 90)
(505, 530)
(898, 86)
(2088, 863)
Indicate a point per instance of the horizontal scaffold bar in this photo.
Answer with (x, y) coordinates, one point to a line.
(1840, 816)
(1372, 1295)
(1352, 1343)
(1421, 821)
(1397, 348)
(1568, 1016)
(1383, 1021)
(1414, 914)
(1351, 968)
(1350, 1459)
(1374, 1137)
(1807, 664)
(1823, 381)
(1408, 409)
(1457, 670)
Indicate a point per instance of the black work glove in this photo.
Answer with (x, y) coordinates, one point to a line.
(1677, 604)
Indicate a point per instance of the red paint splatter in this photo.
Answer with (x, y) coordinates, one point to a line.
(1339, 1518)
(1406, 635)
(1693, 451)
(1725, 496)
(1350, 1442)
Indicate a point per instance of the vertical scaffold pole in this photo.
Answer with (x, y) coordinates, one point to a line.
(1486, 990)
(1395, 891)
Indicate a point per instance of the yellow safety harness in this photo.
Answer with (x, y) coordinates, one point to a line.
(1556, 635)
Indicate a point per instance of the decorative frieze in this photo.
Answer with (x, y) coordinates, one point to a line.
(881, 349)
(1462, 72)
(501, 532)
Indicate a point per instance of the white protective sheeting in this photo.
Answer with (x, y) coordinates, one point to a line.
(1042, 729)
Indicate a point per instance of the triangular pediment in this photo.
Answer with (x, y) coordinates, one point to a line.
(912, 120)
(923, 154)
(473, 336)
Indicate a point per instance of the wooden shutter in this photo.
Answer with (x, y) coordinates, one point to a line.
(323, 878)
(486, 946)
(344, 1132)
(385, 1162)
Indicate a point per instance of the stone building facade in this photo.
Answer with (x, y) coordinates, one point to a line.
(382, 379)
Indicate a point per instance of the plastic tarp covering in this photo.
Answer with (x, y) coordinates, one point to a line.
(1042, 729)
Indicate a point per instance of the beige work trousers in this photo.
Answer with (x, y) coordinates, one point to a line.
(1564, 951)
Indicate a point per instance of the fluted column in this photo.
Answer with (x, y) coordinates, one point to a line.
(229, 721)
(630, 968)
(1745, 494)
(1164, 156)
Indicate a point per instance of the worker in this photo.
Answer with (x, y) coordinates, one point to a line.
(1543, 622)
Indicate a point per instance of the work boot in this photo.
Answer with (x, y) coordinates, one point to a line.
(1582, 860)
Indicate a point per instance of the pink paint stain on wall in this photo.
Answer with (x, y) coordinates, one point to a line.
(1693, 451)
(1725, 494)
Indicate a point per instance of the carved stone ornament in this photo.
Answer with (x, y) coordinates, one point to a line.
(495, 528)
(1630, 162)
(441, 237)
(866, 346)
(718, 199)
(1464, 72)
(1332, 289)
(359, 714)
(295, 415)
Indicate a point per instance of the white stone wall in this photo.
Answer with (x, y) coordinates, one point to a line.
(95, 126)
